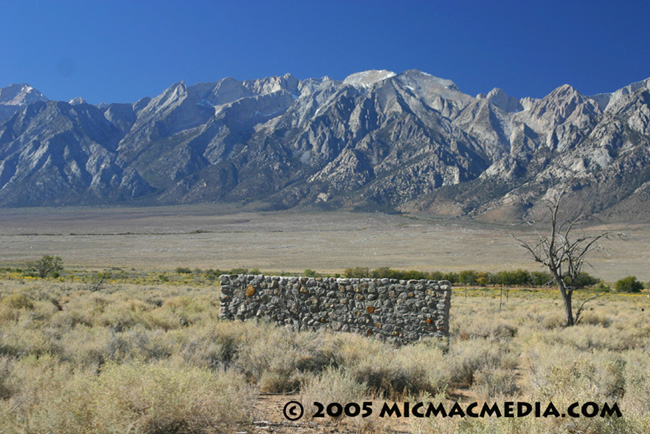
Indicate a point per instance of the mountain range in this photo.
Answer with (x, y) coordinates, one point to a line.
(407, 142)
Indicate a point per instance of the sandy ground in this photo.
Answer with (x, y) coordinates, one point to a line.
(206, 236)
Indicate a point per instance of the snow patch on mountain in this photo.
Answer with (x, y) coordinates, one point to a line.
(77, 101)
(368, 78)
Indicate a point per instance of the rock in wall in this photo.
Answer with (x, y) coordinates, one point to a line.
(400, 311)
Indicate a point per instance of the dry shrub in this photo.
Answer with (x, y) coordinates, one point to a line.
(138, 343)
(282, 358)
(504, 331)
(331, 385)
(372, 363)
(217, 344)
(122, 315)
(15, 306)
(495, 382)
(637, 382)
(212, 346)
(46, 396)
(438, 367)
(159, 399)
(86, 346)
(566, 376)
(469, 357)
(190, 308)
(553, 321)
(5, 367)
(135, 305)
(278, 382)
(93, 346)
(138, 398)
(175, 303)
(434, 425)
(19, 341)
(481, 323)
(385, 377)
(338, 385)
(70, 318)
(126, 314)
(392, 372)
(17, 301)
(594, 337)
(595, 319)
(164, 319)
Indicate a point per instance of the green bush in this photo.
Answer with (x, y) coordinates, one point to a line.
(47, 266)
(451, 277)
(467, 277)
(413, 274)
(212, 274)
(541, 278)
(183, 270)
(585, 280)
(389, 273)
(356, 272)
(517, 278)
(384, 273)
(628, 284)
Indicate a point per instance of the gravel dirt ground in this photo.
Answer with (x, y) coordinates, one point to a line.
(164, 238)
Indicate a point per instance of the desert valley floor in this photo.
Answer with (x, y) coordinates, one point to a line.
(207, 236)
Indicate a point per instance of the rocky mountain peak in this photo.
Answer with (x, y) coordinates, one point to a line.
(562, 105)
(15, 97)
(20, 95)
(614, 97)
(501, 99)
(563, 92)
(269, 85)
(171, 97)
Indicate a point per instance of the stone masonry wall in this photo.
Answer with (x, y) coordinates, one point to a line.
(400, 311)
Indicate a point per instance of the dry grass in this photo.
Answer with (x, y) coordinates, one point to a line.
(156, 359)
(528, 357)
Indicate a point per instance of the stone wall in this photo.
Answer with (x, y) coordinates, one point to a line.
(400, 311)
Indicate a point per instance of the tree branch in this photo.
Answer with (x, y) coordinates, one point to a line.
(581, 308)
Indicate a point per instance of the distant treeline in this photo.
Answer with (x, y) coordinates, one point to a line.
(470, 277)
(465, 277)
(49, 266)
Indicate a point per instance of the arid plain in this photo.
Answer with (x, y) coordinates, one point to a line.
(207, 236)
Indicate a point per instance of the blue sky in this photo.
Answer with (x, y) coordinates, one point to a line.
(120, 51)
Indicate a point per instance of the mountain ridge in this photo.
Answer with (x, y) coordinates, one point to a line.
(406, 142)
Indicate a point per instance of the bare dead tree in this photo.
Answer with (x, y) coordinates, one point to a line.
(96, 282)
(563, 253)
